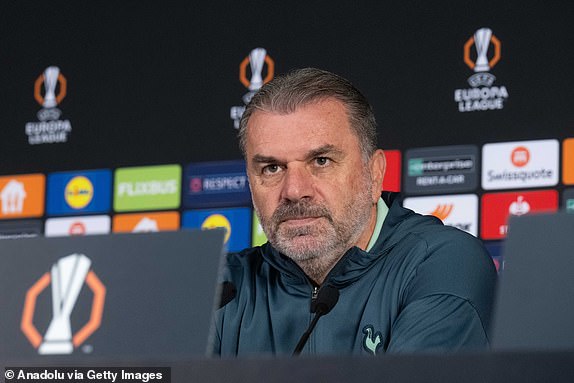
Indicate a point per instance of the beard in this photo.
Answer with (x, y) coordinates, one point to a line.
(318, 245)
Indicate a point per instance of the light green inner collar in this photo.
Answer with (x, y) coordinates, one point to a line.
(382, 211)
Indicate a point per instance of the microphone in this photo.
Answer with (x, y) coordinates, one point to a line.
(228, 292)
(327, 298)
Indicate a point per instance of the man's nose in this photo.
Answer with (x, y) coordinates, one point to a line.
(297, 184)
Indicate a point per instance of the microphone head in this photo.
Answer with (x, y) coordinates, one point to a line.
(327, 298)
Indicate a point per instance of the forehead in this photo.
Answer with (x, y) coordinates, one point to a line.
(313, 125)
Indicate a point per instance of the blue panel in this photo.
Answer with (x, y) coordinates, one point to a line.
(239, 220)
(65, 191)
(216, 184)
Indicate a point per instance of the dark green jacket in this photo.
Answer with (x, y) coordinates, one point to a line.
(423, 286)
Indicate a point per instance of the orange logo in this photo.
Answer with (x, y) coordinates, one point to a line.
(148, 222)
(22, 196)
(77, 228)
(27, 324)
(50, 78)
(520, 156)
(482, 48)
(256, 64)
(442, 211)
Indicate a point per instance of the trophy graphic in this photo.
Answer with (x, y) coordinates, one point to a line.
(256, 61)
(67, 275)
(50, 81)
(482, 41)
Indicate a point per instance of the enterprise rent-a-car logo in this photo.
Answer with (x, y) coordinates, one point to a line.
(441, 169)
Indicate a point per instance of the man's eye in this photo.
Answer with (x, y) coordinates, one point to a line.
(270, 169)
(321, 161)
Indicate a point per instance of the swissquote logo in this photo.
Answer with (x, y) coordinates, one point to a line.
(67, 276)
(520, 164)
(50, 89)
(482, 95)
(257, 60)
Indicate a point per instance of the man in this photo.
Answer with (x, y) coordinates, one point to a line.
(406, 282)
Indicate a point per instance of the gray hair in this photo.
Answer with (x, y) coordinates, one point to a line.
(285, 93)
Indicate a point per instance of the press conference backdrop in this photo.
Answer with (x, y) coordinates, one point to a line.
(122, 116)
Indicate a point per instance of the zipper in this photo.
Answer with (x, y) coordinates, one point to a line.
(314, 293)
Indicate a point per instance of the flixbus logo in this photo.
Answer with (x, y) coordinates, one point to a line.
(262, 68)
(67, 276)
(481, 52)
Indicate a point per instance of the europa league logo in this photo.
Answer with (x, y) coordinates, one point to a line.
(482, 41)
(50, 79)
(256, 61)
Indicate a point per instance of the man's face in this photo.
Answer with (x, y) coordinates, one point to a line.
(312, 191)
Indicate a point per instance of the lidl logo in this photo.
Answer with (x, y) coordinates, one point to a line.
(22, 196)
(79, 192)
(568, 161)
(146, 222)
(84, 225)
(459, 210)
(216, 184)
(147, 188)
(497, 207)
(218, 220)
(262, 70)
(67, 277)
(236, 221)
(524, 164)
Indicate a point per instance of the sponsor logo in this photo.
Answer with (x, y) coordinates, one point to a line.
(50, 89)
(441, 169)
(392, 178)
(481, 52)
(146, 223)
(147, 188)
(21, 229)
(215, 221)
(258, 237)
(68, 226)
(79, 192)
(497, 207)
(510, 165)
(568, 161)
(236, 221)
(568, 200)
(257, 61)
(460, 211)
(22, 196)
(67, 277)
(216, 184)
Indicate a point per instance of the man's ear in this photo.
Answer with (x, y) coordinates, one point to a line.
(378, 165)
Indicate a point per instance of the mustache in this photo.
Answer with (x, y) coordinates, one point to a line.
(298, 210)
